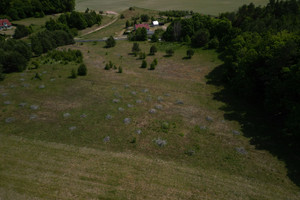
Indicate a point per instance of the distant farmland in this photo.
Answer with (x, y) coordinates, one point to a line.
(213, 7)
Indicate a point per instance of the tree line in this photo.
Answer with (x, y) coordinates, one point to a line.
(74, 20)
(17, 9)
(260, 48)
(14, 56)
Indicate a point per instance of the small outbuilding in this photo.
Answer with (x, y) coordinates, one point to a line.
(155, 23)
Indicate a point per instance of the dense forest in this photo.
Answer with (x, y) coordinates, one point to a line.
(19, 9)
(260, 47)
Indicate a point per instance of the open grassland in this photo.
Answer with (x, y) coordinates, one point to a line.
(47, 154)
(213, 7)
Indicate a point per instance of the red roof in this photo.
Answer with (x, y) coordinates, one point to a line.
(142, 26)
(4, 21)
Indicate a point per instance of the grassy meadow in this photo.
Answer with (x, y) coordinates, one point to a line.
(205, 7)
(60, 150)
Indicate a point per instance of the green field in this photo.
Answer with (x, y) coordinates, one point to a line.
(42, 155)
(213, 7)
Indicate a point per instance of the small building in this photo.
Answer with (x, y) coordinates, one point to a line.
(146, 26)
(155, 23)
(4, 24)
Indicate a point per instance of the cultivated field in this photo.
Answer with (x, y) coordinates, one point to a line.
(140, 134)
(213, 7)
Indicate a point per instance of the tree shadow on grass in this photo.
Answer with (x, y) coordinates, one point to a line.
(265, 132)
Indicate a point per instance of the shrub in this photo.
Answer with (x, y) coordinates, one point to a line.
(107, 67)
(190, 53)
(127, 24)
(154, 38)
(187, 39)
(155, 61)
(135, 48)
(144, 64)
(142, 55)
(110, 42)
(153, 50)
(145, 18)
(169, 52)
(37, 76)
(152, 66)
(122, 16)
(120, 70)
(35, 64)
(82, 70)
(73, 74)
(110, 65)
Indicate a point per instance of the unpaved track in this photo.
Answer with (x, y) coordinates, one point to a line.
(106, 25)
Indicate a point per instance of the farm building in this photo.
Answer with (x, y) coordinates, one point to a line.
(136, 26)
(4, 24)
(155, 23)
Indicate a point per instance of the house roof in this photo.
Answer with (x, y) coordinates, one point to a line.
(155, 23)
(136, 26)
(4, 21)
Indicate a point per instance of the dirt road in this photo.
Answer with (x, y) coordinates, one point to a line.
(106, 25)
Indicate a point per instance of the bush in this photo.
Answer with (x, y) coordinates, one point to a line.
(154, 38)
(152, 66)
(153, 50)
(73, 74)
(135, 48)
(120, 70)
(144, 64)
(110, 42)
(37, 76)
(190, 53)
(142, 55)
(107, 67)
(127, 24)
(145, 18)
(155, 61)
(82, 70)
(35, 64)
(169, 52)
(122, 16)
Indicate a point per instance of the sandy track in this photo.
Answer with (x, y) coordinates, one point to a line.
(106, 25)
